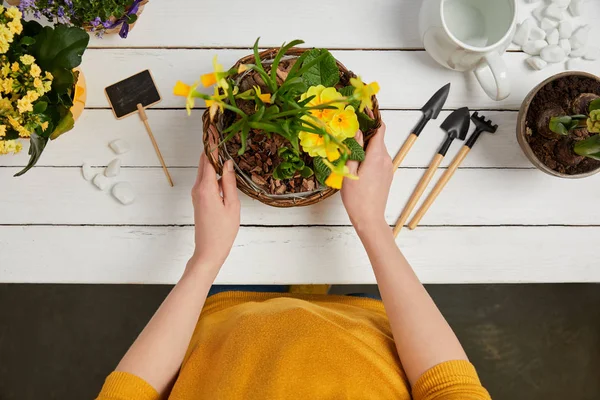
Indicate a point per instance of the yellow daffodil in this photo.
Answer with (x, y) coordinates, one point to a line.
(215, 103)
(337, 175)
(217, 76)
(344, 124)
(2, 130)
(323, 95)
(27, 59)
(14, 13)
(35, 70)
(10, 146)
(243, 68)
(364, 92)
(264, 97)
(15, 26)
(187, 91)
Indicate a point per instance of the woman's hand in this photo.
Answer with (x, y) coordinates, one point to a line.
(365, 199)
(216, 217)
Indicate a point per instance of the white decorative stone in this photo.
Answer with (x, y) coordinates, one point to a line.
(573, 63)
(101, 181)
(554, 12)
(562, 3)
(552, 54)
(119, 146)
(548, 24)
(552, 37)
(575, 8)
(533, 47)
(113, 168)
(537, 63)
(87, 171)
(576, 53)
(532, 1)
(565, 29)
(565, 45)
(580, 37)
(123, 192)
(523, 31)
(592, 53)
(537, 33)
(538, 13)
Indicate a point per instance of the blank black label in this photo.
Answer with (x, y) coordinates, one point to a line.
(124, 96)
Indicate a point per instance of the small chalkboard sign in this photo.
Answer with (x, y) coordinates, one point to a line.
(124, 96)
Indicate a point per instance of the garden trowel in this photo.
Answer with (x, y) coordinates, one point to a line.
(430, 110)
(456, 126)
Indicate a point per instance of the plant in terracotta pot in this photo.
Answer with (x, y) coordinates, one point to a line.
(558, 126)
(41, 91)
(101, 17)
(287, 117)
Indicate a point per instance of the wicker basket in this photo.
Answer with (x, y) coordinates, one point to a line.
(117, 29)
(212, 137)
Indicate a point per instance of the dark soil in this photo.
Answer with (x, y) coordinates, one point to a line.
(562, 96)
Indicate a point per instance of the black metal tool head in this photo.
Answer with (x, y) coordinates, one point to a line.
(432, 108)
(457, 124)
(484, 124)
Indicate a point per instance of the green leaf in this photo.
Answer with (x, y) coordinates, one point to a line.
(64, 125)
(324, 72)
(589, 147)
(132, 18)
(244, 138)
(348, 91)
(557, 126)
(364, 121)
(40, 107)
(322, 171)
(357, 153)
(284, 49)
(306, 172)
(36, 147)
(594, 105)
(27, 41)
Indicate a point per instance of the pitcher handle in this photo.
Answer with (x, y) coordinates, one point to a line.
(493, 76)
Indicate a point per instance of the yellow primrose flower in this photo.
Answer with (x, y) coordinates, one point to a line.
(323, 95)
(24, 105)
(15, 26)
(319, 146)
(44, 125)
(187, 91)
(32, 95)
(6, 34)
(217, 76)
(264, 97)
(337, 175)
(2, 130)
(35, 70)
(344, 124)
(215, 103)
(364, 93)
(27, 59)
(14, 13)
(7, 85)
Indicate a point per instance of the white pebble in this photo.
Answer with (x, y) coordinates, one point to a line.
(565, 29)
(537, 33)
(538, 13)
(580, 37)
(575, 8)
(562, 3)
(553, 54)
(572, 63)
(101, 181)
(554, 12)
(113, 168)
(576, 53)
(123, 192)
(533, 47)
(565, 45)
(531, 1)
(552, 37)
(548, 24)
(87, 171)
(119, 146)
(592, 53)
(536, 63)
(523, 31)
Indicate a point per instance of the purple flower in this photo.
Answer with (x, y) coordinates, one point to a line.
(61, 12)
(69, 3)
(37, 14)
(95, 22)
(25, 4)
(107, 24)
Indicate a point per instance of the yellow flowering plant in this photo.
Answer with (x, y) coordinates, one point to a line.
(37, 82)
(564, 125)
(307, 105)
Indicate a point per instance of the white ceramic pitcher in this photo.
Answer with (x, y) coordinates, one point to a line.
(471, 35)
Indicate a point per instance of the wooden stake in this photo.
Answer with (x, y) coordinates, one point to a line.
(408, 143)
(144, 119)
(418, 192)
(439, 186)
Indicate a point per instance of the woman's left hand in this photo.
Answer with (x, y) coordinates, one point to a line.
(216, 217)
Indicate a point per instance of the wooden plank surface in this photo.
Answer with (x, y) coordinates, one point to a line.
(300, 255)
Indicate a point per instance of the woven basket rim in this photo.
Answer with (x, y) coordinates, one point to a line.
(217, 158)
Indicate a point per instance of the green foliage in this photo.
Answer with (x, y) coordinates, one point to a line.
(321, 68)
(589, 147)
(357, 153)
(290, 164)
(563, 125)
(36, 147)
(594, 105)
(322, 171)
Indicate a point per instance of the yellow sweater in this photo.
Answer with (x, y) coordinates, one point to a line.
(282, 346)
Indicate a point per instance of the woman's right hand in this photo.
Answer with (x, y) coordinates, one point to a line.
(365, 199)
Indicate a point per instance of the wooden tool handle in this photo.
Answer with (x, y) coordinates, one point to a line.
(418, 192)
(144, 119)
(437, 189)
(408, 143)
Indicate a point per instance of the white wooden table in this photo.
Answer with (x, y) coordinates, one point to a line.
(499, 220)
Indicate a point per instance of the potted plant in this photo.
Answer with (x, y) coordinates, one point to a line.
(287, 117)
(559, 125)
(101, 17)
(42, 93)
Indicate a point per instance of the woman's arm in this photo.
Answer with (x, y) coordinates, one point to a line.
(423, 337)
(157, 353)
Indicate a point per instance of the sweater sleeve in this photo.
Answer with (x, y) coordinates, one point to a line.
(451, 380)
(126, 386)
